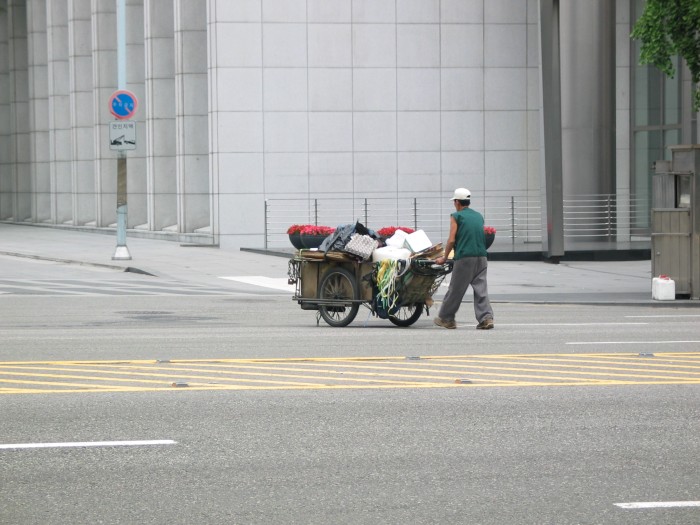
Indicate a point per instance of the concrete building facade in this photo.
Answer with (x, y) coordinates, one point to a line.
(247, 104)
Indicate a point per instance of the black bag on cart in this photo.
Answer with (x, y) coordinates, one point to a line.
(342, 234)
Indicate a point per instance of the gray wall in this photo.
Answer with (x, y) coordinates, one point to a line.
(247, 100)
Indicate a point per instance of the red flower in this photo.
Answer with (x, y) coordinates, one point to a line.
(295, 228)
(388, 231)
(310, 229)
(489, 229)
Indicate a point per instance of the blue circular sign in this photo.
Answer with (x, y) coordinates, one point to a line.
(123, 104)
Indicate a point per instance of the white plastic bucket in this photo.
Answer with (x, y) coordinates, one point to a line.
(663, 288)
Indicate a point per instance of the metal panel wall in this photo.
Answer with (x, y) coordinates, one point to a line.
(671, 246)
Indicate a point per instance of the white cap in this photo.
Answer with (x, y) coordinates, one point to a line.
(461, 194)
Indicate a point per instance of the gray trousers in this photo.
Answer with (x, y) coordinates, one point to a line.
(467, 271)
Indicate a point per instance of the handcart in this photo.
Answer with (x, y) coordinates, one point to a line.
(335, 285)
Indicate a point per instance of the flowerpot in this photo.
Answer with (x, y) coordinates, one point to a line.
(295, 239)
(312, 241)
(488, 239)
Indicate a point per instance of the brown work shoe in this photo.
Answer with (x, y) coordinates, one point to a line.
(445, 324)
(486, 324)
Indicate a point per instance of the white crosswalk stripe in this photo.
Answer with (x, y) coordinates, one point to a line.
(67, 287)
(276, 283)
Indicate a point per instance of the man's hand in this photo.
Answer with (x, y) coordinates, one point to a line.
(441, 260)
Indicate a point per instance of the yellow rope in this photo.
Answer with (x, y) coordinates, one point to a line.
(386, 283)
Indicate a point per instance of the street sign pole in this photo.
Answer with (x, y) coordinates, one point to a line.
(122, 251)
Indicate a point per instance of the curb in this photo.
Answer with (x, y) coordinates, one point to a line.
(80, 263)
(677, 303)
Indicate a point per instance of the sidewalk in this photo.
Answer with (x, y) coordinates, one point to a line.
(581, 282)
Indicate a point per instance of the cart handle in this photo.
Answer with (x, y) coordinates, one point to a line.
(429, 264)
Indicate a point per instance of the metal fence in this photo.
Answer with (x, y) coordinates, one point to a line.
(517, 218)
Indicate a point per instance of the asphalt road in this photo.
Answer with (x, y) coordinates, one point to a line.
(592, 426)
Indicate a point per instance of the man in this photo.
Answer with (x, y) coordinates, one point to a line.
(467, 239)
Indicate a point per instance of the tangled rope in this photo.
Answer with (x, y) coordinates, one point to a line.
(388, 272)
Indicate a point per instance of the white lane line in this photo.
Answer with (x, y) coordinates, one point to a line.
(90, 444)
(276, 283)
(630, 342)
(571, 324)
(657, 504)
(660, 316)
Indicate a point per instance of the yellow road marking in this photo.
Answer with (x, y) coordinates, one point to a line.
(57, 384)
(483, 367)
(695, 356)
(380, 371)
(180, 370)
(649, 364)
(352, 387)
(479, 371)
(609, 374)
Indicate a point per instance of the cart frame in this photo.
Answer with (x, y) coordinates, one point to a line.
(336, 288)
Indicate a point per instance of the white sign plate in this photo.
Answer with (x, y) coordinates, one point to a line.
(122, 135)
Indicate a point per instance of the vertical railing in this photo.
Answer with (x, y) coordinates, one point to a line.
(265, 227)
(415, 213)
(591, 217)
(512, 220)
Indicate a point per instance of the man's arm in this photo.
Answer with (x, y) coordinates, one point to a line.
(450, 241)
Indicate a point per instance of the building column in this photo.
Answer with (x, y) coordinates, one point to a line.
(624, 203)
(80, 86)
(136, 159)
(20, 172)
(588, 96)
(6, 182)
(38, 81)
(550, 136)
(690, 121)
(236, 124)
(60, 144)
(161, 180)
(192, 118)
(104, 83)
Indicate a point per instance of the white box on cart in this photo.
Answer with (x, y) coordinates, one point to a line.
(417, 241)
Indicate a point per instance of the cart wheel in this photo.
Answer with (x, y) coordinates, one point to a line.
(407, 315)
(338, 283)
